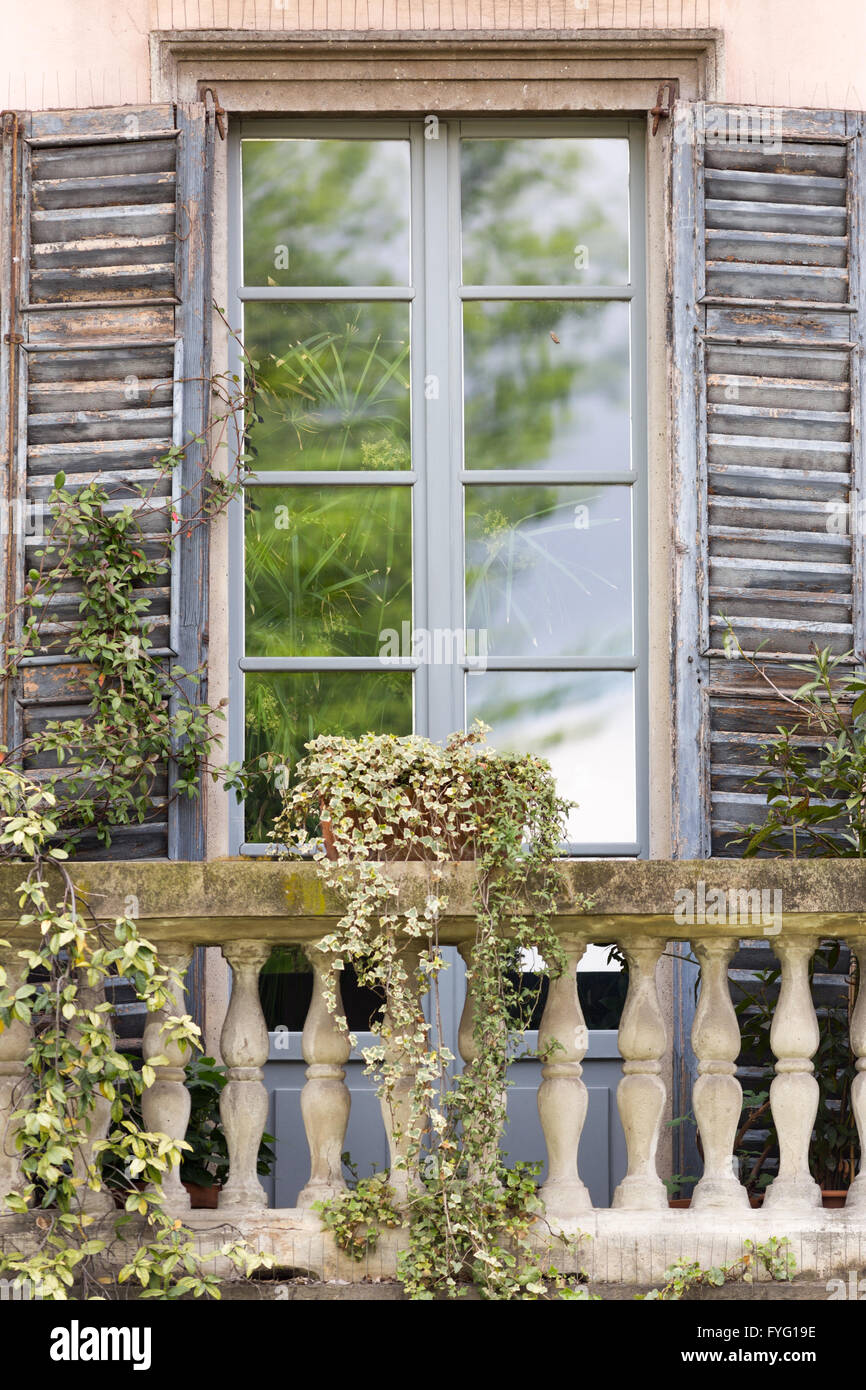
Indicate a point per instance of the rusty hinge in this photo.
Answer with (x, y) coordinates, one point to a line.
(668, 90)
(218, 110)
(13, 337)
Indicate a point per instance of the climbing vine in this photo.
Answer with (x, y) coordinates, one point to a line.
(79, 1150)
(471, 1220)
(107, 552)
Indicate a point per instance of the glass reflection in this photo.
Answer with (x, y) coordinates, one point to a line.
(544, 211)
(548, 570)
(546, 385)
(332, 385)
(583, 723)
(326, 212)
(327, 569)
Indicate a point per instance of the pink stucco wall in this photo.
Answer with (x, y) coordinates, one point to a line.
(59, 53)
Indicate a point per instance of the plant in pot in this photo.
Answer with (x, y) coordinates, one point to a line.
(381, 799)
(205, 1164)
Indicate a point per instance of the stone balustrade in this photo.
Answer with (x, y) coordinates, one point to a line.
(246, 907)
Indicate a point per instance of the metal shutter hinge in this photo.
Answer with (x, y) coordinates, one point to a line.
(667, 92)
(218, 110)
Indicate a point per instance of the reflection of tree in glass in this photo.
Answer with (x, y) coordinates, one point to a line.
(336, 210)
(532, 370)
(546, 385)
(332, 386)
(529, 204)
(327, 569)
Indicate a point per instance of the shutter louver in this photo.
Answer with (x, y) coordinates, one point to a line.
(113, 305)
(766, 381)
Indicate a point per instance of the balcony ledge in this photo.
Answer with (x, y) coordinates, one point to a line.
(225, 900)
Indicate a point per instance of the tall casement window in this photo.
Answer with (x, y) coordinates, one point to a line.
(445, 518)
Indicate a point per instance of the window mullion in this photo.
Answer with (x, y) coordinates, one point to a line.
(440, 474)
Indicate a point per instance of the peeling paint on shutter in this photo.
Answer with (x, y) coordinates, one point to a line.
(113, 308)
(767, 243)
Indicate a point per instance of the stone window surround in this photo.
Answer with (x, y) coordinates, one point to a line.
(496, 71)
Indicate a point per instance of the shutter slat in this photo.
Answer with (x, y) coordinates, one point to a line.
(776, 364)
(828, 455)
(785, 186)
(804, 219)
(104, 190)
(81, 224)
(778, 393)
(725, 418)
(776, 248)
(802, 159)
(767, 281)
(94, 160)
(47, 397)
(735, 480)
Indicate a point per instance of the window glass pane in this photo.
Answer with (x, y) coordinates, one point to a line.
(544, 211)
(332, 385)
(328, 569)
(583, 723)
(326, 212)
(546, 385)
(548, 570)
(284, 711)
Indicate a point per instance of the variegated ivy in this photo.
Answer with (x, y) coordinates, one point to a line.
(381, 799)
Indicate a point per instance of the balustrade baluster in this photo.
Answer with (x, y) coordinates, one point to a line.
(562, 1095)
(641, 1093)
(717, 1097)
(244, 1100)
(14, 1045)
(794, 1093)
(325, 1099)
(857, 1190)
(165, 1105)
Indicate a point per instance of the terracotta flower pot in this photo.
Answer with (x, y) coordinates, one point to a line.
(203, 1198)
(833, 1199)
(830, 1200)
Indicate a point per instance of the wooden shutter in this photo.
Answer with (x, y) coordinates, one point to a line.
(106, 307)
(767, 232)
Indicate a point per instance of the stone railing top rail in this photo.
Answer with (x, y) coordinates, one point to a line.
(232, 899)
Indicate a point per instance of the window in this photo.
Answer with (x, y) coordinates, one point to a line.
(446, 518)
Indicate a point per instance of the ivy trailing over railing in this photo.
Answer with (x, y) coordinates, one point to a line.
(471, 1220)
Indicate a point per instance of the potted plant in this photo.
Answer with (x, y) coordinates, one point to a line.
(359, 805)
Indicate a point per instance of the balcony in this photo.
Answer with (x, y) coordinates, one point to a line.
(245, 907)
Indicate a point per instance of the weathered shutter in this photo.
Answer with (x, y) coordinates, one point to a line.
(768, 233)
(106, 308)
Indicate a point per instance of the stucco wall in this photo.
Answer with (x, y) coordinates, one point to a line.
(60, 53)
